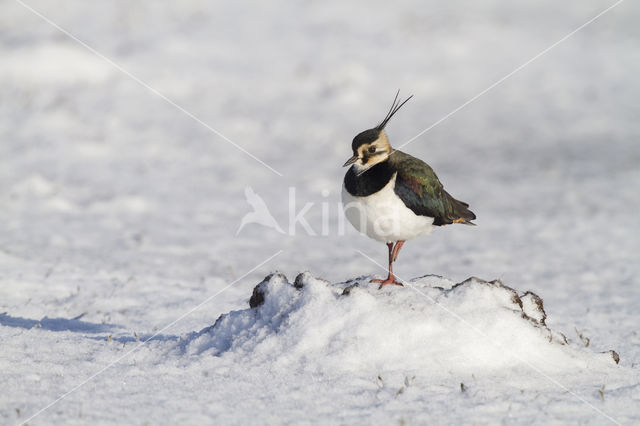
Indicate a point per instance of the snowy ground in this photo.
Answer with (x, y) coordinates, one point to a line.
(119, 212)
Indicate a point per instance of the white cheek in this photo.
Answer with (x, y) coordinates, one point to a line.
(359, 167)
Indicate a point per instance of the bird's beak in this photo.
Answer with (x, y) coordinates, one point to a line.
(350, 161)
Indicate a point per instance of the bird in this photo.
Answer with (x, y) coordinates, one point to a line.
(391, 196)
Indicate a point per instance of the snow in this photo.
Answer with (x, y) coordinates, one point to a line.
(53, 64)
(119, 213)
(434, 330)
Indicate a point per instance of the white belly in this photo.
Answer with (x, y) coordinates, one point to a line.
(383, 216)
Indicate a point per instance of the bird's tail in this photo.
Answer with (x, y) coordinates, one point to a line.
(461, 212)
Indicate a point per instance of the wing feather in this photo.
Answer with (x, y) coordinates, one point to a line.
(421, 191)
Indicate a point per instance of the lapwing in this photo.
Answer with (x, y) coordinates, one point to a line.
(393, 197)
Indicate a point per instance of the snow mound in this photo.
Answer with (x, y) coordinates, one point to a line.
(431, 325)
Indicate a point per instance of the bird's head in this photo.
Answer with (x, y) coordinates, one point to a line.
(372, 146)
(369, 148)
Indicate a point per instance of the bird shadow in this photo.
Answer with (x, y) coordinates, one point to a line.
(57, 324)
(75, 325)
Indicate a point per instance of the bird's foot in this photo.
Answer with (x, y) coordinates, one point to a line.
(388, 281)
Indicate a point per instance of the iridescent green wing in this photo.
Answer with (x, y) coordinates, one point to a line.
(421, 191)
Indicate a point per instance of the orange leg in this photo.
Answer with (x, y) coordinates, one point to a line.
(393, 255)
(396, 250)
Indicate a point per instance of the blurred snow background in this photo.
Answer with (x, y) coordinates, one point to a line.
(118, 207)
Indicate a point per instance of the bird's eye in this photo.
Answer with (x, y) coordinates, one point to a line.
(372, 149)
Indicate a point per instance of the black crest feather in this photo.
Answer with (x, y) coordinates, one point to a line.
(395, 106)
